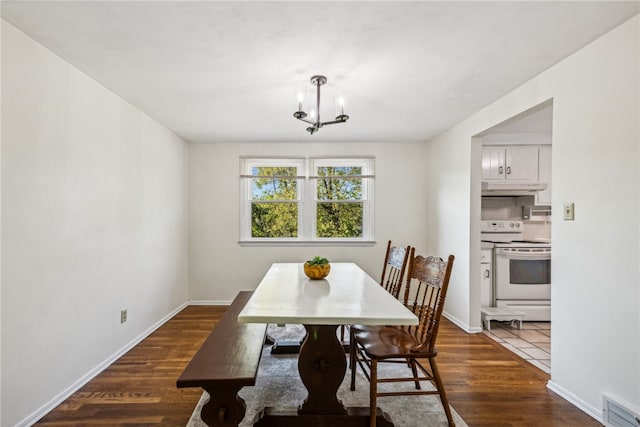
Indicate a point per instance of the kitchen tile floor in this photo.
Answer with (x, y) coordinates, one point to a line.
(532, 343)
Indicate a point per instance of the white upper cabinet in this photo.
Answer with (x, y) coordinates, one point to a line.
(492, 163)
(512, 163)
(544, 175)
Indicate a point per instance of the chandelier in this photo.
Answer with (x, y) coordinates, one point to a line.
(314, 114)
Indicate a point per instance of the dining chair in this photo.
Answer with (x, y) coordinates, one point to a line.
(393, 269)
(395, 263)
(427, 283)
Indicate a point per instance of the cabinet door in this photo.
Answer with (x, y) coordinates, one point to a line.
(493, 163)
(522, 164)
(486, 294)
(544, 175)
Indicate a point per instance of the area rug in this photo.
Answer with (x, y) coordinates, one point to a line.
(278, 384)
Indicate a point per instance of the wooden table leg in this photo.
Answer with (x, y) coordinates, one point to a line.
(322, 365)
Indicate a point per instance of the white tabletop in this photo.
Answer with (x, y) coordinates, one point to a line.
(347, 296)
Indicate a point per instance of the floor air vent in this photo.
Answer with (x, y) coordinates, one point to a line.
(615, 414)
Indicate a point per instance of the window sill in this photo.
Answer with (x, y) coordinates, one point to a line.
(310, 243)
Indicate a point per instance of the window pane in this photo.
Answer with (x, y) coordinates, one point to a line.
(276, 188)
(339, 220)
(273, 189)
(338, 188)
(274, 220)
(274, 171)
(339, 170)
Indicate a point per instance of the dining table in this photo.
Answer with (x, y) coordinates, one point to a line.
(347, 296)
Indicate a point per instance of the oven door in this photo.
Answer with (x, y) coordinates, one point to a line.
(523, 273)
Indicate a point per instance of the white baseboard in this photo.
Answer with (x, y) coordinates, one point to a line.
(209, 302)
(575, 401)
(462, 325)
(60, 397)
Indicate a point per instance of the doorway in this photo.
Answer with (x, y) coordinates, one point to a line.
(516, 181)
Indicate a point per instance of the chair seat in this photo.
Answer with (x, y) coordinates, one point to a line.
(364, 328)
(387, 342)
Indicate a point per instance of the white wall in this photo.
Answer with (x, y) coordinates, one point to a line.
(220, 267)
(596, 159)
(94, 220)
(1, 23)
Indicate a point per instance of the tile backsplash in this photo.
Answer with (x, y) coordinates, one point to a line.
(511, 208)
(536, 230)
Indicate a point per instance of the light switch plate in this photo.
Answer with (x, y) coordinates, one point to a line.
(569, 213)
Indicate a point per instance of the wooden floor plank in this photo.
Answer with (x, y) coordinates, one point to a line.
(487, 385)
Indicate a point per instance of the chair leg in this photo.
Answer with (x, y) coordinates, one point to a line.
(353, 353)
(441, 392)
(373, 393)
(350, 366)
(414, 369)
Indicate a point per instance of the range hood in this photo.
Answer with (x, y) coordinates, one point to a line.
(508, 188)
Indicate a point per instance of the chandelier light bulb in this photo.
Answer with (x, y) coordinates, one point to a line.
(340, 106)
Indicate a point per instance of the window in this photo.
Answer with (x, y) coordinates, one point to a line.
(306, 200)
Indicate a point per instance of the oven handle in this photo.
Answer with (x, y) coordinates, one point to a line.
(523, 255)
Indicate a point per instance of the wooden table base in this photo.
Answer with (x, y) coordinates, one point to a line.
(289, 417)
(322, 365)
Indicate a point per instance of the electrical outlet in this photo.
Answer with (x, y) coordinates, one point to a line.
(123, 315)
(569, 212)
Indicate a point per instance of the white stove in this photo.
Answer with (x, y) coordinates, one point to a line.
(521, 269)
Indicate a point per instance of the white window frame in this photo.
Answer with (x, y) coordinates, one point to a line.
(246, 167)
(307, 199)
(367, 195)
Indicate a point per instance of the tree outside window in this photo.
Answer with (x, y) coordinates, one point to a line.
(339, 206)
(306, 200)
(274, 205)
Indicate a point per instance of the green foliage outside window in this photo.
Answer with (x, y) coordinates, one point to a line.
(274, 220)
(339, 206)
(339, 220)
(274, 210)
(338, 212)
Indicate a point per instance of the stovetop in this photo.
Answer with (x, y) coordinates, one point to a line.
(508, 233)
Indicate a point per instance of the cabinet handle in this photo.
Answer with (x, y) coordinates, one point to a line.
(487, 274)
(500, 170)
(508, 170)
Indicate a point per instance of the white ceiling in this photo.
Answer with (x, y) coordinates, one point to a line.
(227, 71)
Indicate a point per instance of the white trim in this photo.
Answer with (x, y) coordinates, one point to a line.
(209, 302)
(342, 176)
(327, 242)
(252, 157)
(462, 325)
(575, 401)
(339, 157)
(80, 382)
(475, 330)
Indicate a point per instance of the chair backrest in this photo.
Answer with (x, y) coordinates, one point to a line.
(427, 282)
(395, 263)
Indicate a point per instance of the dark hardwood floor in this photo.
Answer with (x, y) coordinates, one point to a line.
(487, 385)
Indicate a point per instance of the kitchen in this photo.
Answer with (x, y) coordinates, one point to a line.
(515, 233)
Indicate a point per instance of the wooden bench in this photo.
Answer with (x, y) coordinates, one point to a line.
(227, 361)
